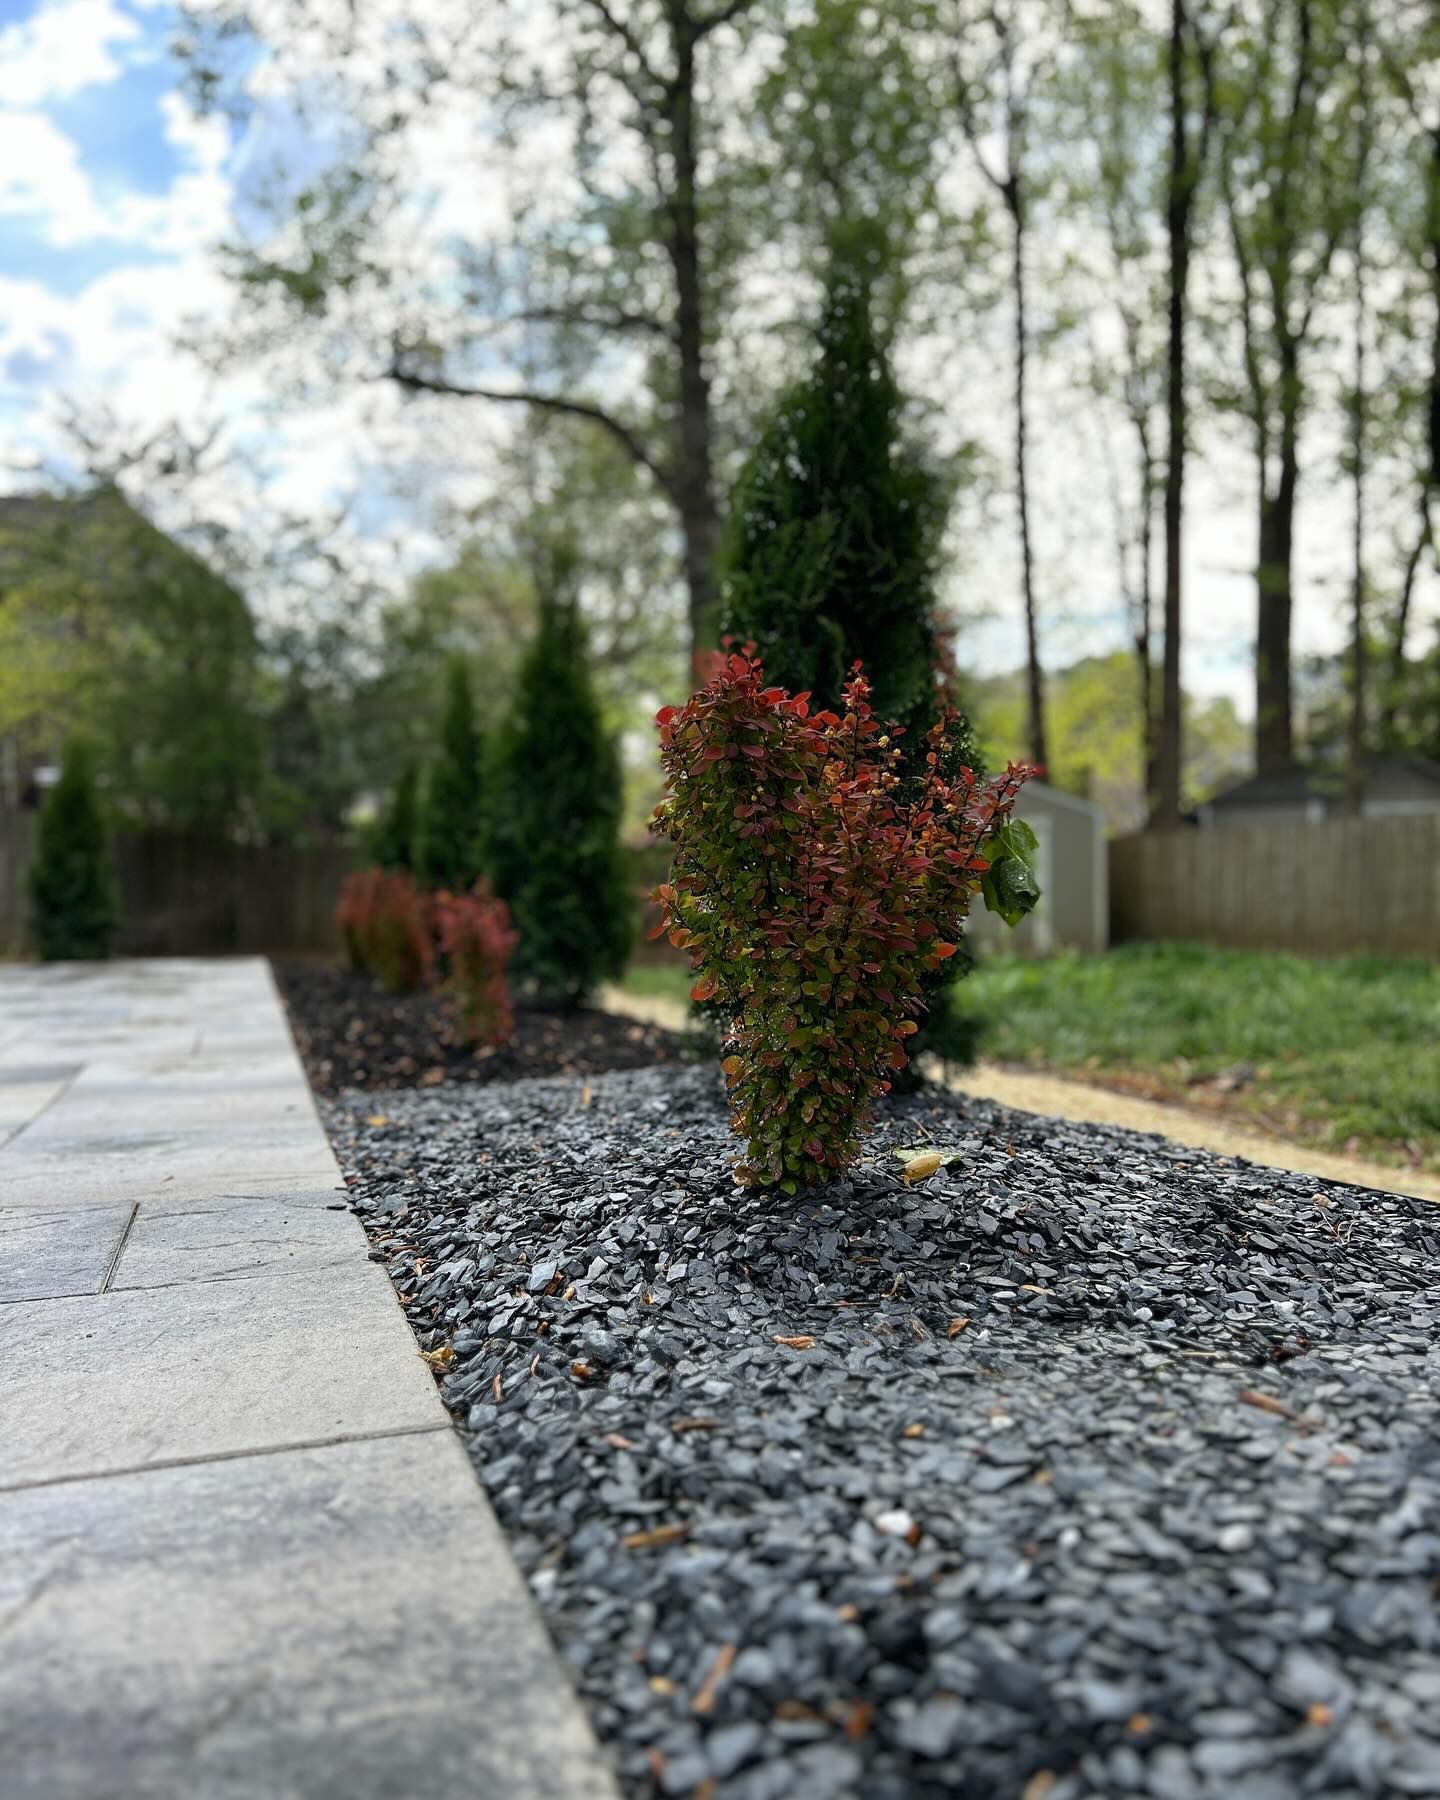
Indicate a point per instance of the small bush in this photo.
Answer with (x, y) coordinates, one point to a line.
(475, 939)
(385, 921)
(73, 905)
(815, 887)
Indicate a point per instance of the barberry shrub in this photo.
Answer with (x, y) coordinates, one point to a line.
(474, 937)
(385, 922)
(815, 887)
(73, 909)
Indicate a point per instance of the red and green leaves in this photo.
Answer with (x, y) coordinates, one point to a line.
(814, 885)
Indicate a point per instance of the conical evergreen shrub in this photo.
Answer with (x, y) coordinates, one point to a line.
(832, 556)
(73, 906)
(392, 838)
(832, 550)
(450, 821)
(554, 843)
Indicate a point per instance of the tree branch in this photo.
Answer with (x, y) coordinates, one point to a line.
(416, 383)
(723, 16)
(621, 29)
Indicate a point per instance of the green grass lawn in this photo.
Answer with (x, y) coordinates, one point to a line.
(1342, 1052)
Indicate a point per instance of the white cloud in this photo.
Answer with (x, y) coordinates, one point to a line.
(64, 46)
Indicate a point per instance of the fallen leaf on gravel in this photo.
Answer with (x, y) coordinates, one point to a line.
(662, 1685)
(432, 1077)
(955, 1327)
(913, 1431)
(441, 1357)
(1266, 1403)
(1317, 1713)
(858, 1722)
(922, 1164)
(696, 1425)
(796, 1343)
(582, 1371)
(616, 1442)
(1039, 1784)
(586, 1096)
(497, 1389)
(710, 1686)
(847, 1614)
(378, 1119)
(1138, 1724)
(1029, 1287)
(657, 1536)
(797, 1709)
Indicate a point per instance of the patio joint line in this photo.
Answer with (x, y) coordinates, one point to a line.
(124, 1238)
(222, 1456)
(54, 1099)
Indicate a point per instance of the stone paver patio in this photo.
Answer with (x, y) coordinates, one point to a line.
(241, 1550)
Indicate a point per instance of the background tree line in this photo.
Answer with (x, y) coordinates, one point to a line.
(1173, 244)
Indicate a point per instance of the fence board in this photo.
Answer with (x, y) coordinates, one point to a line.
(1326, 888)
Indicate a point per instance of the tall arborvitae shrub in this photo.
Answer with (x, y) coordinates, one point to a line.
(554, 845)
(832, 551)
(392, 837)
(449, 826)
(73, 907)
(832, 557)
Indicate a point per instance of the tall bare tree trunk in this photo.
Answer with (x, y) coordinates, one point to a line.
(693, 483)
(1359, 673)
(1184, 174)
(1274, 726)
(1034, 674)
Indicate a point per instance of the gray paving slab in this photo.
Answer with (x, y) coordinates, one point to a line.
(46, 1253)
(333, 1622)
(242, 1553)
(234, 1239)
(158, 1375)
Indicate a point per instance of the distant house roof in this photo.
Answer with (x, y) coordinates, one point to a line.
(1299, 783)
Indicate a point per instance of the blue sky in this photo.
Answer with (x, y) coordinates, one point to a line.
(111, 192)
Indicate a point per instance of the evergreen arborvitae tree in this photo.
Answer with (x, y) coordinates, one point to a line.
(833, 549)
(73, 907)
(554, 844)
(449, 820)
(392, 838)
(833, 546)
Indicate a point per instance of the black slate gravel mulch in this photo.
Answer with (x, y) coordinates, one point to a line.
(351, 1033)
(1113, 1469)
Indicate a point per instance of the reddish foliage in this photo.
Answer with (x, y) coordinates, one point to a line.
(814, 887)
(475, 938)
(384, 918)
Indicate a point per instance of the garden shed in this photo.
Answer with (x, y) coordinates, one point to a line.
(1071, 865)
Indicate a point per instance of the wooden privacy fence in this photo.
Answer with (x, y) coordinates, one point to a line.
(1344, 884)
(190, 897)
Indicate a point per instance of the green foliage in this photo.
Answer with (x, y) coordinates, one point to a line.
(815, 885)
(392, 837)
(554, 850)
(832, 551)
(450, 821)
(111, 630)
(73, 908)
(1340, 1050)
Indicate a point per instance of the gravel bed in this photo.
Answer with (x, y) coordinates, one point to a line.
(1112, 1469)
(352, 1034)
